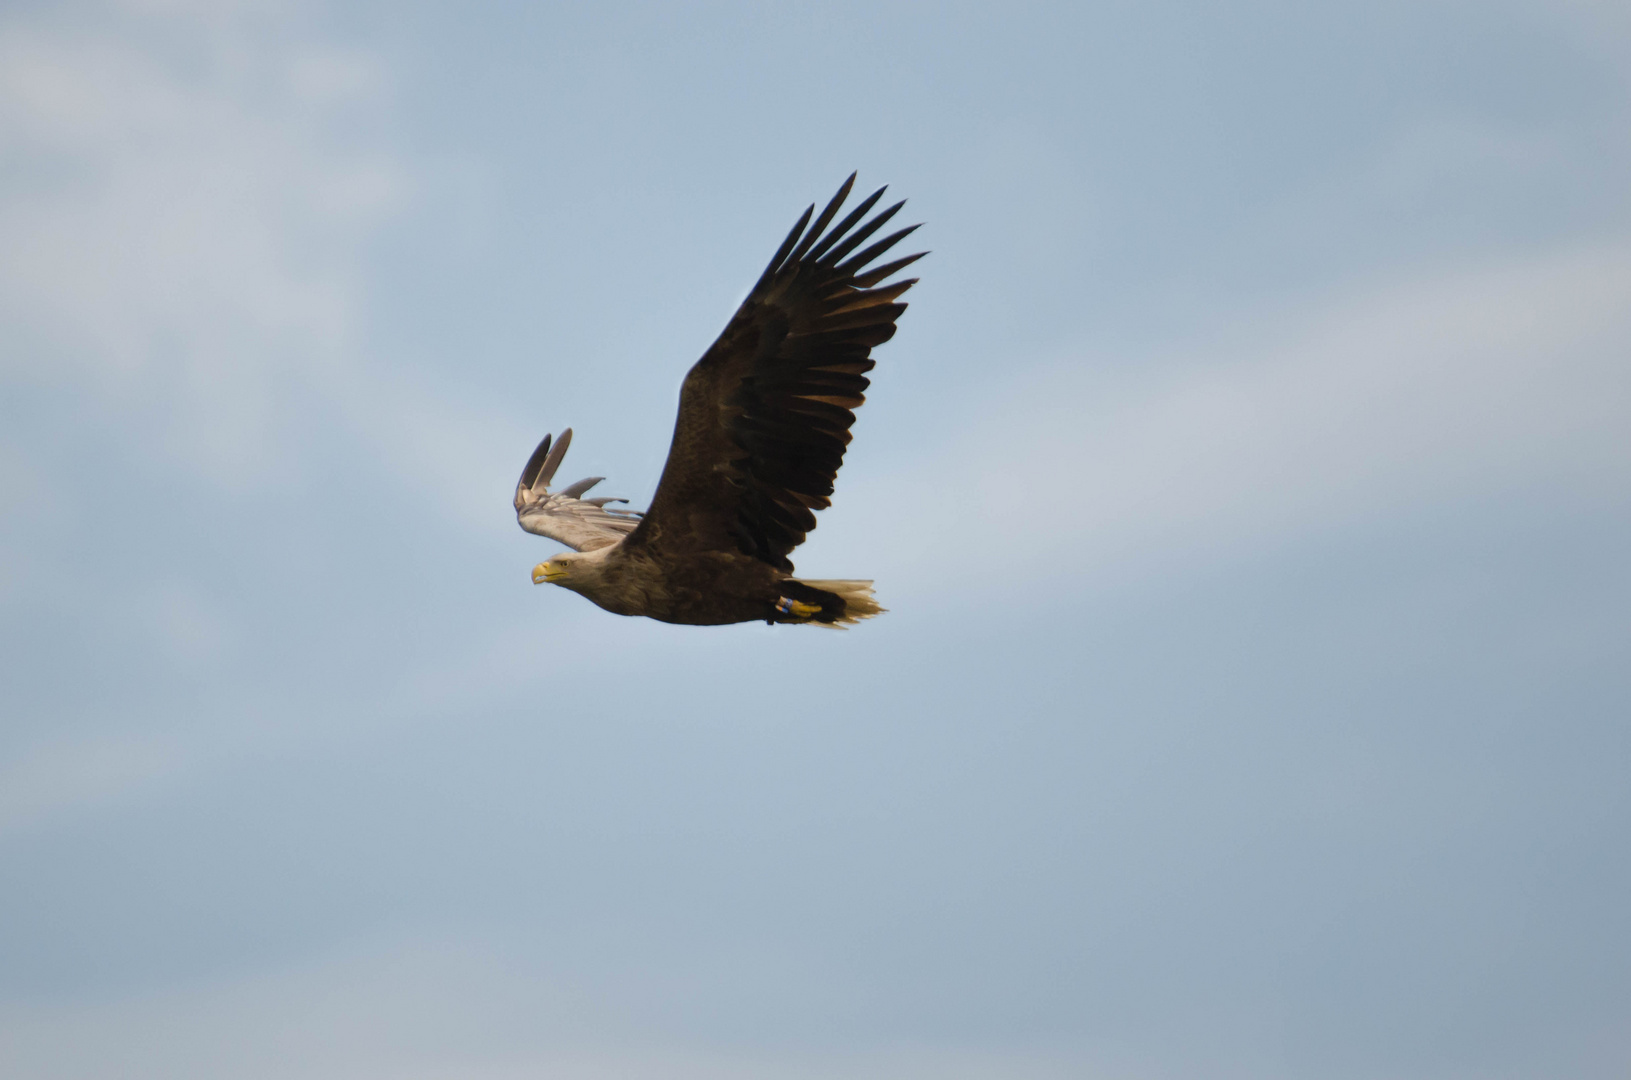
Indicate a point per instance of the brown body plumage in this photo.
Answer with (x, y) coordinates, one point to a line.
(763, 423)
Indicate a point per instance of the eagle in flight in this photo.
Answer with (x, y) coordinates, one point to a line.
(764, 419)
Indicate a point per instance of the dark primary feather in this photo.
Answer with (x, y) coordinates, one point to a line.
(765, 414)
(544, 461)
(535, 464)
(574, 491)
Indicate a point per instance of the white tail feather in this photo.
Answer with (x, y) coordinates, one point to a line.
(857, 595)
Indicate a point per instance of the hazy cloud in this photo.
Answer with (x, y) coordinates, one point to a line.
(184, 214)
(1480, 380)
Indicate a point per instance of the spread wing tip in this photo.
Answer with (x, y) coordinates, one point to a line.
(535, 463)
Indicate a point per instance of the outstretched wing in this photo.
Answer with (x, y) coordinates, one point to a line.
(582, 524)
(765, 414)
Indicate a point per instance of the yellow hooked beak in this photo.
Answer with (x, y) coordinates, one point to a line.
(547, 571)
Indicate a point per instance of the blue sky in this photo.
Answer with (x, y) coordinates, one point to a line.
(1248, 485)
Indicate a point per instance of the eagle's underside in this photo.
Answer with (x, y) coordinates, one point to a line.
(716, 588)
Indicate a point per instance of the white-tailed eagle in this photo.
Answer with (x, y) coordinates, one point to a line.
(764, 419)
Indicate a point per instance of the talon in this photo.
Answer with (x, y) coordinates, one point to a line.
(797, 609)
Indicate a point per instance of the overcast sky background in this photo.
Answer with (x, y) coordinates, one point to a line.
(1248, 485)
